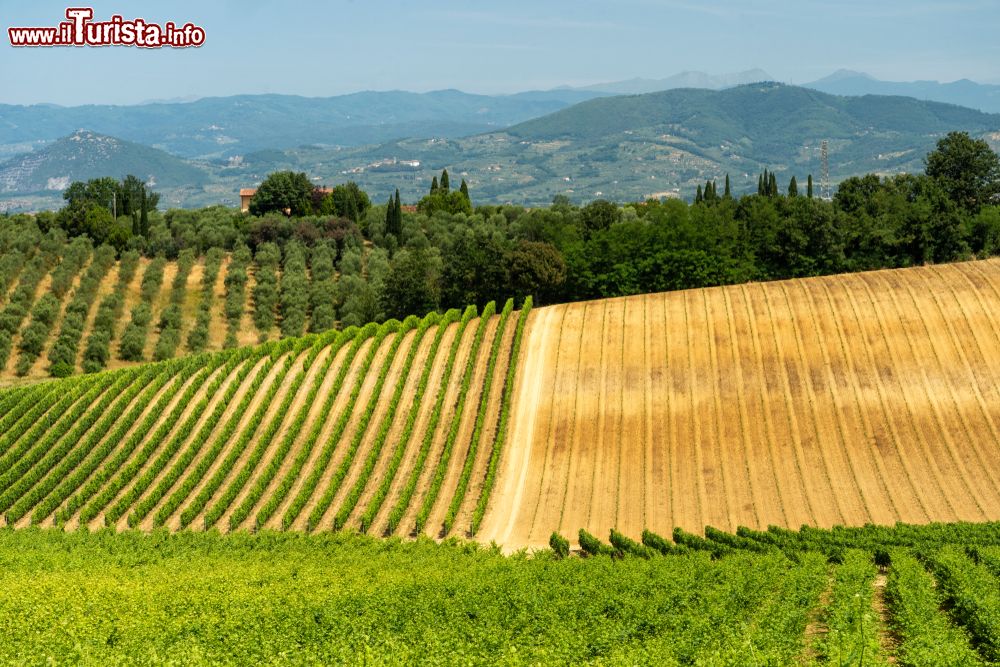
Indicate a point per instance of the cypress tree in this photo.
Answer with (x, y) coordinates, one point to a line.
(793, 188)
(809, 187)
(398, 212)
(434, 186)
(143, 215)
(464, 189)
(445, 183)
(727, 193)
(773, 187)
(698, 197)
(760, 184)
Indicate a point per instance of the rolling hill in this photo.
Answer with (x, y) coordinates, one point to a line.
(625, 148)
(842, 400)
(84, 155)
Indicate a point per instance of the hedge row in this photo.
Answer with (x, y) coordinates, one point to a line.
(63, 353)
(133, 341)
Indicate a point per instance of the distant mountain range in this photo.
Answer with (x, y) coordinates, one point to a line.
(963, 92)
(625, 148)
(227, 126)
(682, 80)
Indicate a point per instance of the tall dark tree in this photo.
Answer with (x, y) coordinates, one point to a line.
(464, 189)
(967, 170)
(434, 186)
(144, 215)
(809, 187)
(772, 189)
(727, 193)
(698, 197)
(394, 217)
(445, 182)
(760, 184)
(793, 188)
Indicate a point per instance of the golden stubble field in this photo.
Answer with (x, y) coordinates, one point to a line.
(847, 399)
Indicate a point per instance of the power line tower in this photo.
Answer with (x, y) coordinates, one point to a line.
(824, 174)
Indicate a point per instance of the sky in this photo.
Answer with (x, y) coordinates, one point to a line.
(314, 48)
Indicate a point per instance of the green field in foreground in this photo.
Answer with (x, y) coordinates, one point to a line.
(773, 597)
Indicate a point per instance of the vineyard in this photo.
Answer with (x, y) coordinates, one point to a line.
(67, 307)
(909, 595)
(394, 428)
(841, 400)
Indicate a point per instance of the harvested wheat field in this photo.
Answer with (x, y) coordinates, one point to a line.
(848, 399)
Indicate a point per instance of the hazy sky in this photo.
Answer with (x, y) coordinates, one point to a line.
(314, 48)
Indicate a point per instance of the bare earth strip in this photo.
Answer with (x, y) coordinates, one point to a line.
(504, 508)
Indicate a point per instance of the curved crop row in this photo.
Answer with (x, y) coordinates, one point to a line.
(222, 439)
(359, 433)
(501, 433)
(124, 473)
(351, 500)
(237, 485)
(477, 433)
(403, 503)
(99, 475)
(430, 498)
(300, 500)
(95, 423)
(250, 466)
(82, 462)
(382, 492)
(50, 445)
(358, 336)
(187, 449)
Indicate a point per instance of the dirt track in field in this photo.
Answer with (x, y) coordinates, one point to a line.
(871, 397)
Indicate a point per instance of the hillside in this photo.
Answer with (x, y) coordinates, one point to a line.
(867, 398)
(391, 429)
(84, 155)
(625, 148)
